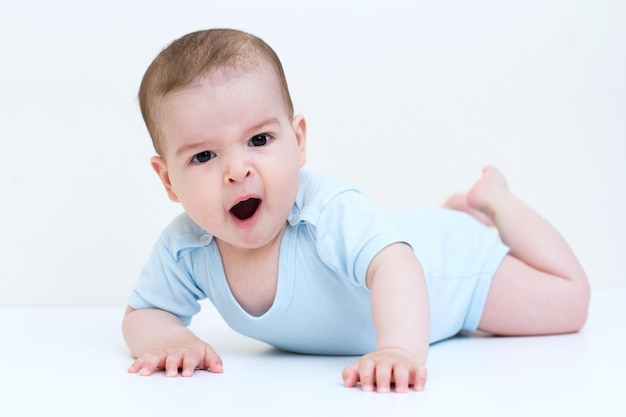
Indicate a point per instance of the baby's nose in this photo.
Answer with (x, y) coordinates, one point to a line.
(237, 171)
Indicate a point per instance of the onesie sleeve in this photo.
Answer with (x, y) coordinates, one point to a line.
(351, 231)
(167, 282)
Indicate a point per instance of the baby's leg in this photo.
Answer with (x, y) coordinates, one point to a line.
(540, 288)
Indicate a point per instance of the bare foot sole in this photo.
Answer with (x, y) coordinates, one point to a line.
(487, 190)
(459, 202)
(479, 201)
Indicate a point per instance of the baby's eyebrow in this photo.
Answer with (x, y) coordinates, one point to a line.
(273, 121)
(189, 147)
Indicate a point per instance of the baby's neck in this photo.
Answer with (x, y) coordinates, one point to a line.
(252, 274)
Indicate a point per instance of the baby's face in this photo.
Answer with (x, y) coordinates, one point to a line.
(232, 155)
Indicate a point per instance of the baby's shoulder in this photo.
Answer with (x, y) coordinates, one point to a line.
(319, 189)
(183, 234)
(319, 193)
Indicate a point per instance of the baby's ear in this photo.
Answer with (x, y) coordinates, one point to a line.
(298, 123)
(160, 167)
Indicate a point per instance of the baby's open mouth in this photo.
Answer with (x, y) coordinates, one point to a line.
(245, 209)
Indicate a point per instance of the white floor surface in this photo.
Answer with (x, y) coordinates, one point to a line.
(73, 361)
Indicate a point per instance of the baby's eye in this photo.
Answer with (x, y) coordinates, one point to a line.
(260, 140)
(203, 157)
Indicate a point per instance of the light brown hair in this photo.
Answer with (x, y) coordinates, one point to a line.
(198, 54)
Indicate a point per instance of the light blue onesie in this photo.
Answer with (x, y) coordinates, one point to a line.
(322, 304)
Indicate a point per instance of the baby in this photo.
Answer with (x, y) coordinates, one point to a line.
(306, 263)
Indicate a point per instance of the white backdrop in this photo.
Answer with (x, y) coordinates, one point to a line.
(408, 100)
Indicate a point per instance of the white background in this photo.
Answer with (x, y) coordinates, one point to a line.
(407, 100)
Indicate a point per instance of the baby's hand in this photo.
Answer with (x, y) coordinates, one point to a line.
(185, 358)
(384, 367)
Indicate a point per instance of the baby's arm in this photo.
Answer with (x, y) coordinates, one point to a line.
(401, 316)
(159, 340)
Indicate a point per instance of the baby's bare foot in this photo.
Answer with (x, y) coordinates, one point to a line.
(485, 194)
(482, 198)
(459, 202)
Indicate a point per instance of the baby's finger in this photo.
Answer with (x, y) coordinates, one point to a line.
(350, 375)
(212, 361)
(190, 362)
(383, 376)
(173, 363)
(135, 366)
(418, 376)
(367, 373)
(147, 364)
(401, 378)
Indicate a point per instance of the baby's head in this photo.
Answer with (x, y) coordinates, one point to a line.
(199, 54)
